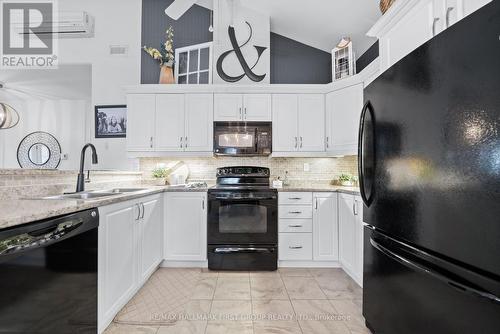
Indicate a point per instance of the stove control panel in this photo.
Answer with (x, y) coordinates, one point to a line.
(243, 171)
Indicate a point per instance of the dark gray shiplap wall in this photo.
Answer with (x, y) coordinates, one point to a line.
(366, 58)
(295, 63)
(191, 28)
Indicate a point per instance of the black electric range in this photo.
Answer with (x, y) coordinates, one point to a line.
(242, 220)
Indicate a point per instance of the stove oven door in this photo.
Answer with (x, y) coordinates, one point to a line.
(242, 218)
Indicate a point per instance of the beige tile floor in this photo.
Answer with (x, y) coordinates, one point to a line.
(291, 300)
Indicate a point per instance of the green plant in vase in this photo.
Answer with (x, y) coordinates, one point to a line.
(160, 174)
(347, 180)
(165, 57)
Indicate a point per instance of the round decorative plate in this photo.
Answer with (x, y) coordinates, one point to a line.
(39, 150)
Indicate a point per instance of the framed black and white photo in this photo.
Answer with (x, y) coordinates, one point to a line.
(111, 121)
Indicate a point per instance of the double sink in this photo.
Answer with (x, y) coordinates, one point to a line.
(97, 194)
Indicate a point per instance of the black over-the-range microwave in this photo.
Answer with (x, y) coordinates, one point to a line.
(243, 138)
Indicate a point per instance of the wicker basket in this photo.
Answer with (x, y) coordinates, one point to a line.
(385, 5)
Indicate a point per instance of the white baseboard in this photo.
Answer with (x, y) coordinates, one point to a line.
(184, 264)
(308, 264)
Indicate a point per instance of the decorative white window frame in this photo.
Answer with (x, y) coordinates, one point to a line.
(188, 49)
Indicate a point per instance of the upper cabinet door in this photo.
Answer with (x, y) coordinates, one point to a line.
(311, 122)
(343, 109)
(169, 122)
(285, 118)
(257, 107)
(416, 28)
(141, 122)
(228, 107)
(199, 123)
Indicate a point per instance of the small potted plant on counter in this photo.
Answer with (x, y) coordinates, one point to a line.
(347, 180)
(160, 175)
(165, 57)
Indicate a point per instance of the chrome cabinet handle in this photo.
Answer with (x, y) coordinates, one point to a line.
(296, 142)
(295, 198)
(294, 225)
(203, 204)
(448, 11)
(327, 142)
(295, 247)
(295, 212)
(355, 208)
(185, 142)
(143, 210)
(181, 142)
(301, 142)
(246, 113)
(151, 142)
(241, 115)
(434, 26)
(138, 211)
(316, 204)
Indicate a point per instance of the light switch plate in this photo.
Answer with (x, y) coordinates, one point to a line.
(307, 167)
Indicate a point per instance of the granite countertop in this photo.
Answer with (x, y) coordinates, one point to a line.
(321, 188)
(22, 211)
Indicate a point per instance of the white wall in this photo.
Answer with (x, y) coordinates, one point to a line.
(61, 118)
(117, 22)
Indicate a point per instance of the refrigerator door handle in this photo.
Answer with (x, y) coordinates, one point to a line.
(367, 200)
(426, 270)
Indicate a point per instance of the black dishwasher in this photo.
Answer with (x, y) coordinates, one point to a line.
(48, 275)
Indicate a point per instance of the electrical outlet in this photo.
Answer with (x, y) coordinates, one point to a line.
(307, 167)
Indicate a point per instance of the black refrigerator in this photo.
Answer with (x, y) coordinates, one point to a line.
(429, 165)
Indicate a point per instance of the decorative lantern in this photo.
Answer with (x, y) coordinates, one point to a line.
(343, 60)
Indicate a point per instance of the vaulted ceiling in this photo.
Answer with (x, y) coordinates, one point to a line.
(319, 23)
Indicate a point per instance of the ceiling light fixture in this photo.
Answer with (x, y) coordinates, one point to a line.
(9, 117)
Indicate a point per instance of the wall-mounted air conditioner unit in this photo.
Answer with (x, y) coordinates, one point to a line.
(64, 25)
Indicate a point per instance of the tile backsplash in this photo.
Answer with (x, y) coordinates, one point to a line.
(321, 170)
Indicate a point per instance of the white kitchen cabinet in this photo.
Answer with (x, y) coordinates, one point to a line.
(409, 24)
(242, 107)
(311, 122)
(298, 123)
(130, 249)
(228, 107)
(295, 246)
(343, 109)
(118, 259)
(141, 109)
(257, 107)
(325, 227)
(151, 237)
(199, 123)
(169, 131)
(186, 226)
(285, 122)
(351, 236)
(170, 123)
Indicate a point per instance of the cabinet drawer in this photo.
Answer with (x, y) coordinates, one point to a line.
(295, 211)
(286, 198)
(295, 246)
(295, 225)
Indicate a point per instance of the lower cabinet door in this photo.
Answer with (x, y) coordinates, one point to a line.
(151, 239)
(347, 233)
(117, 258)
(325, 227)
(295, 246)
(186, 226)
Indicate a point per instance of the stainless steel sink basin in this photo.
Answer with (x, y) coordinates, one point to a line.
(124, 190)
(83, 195)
